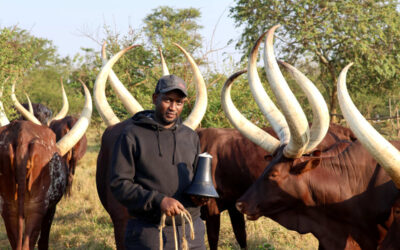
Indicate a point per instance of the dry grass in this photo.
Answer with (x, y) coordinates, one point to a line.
(82, 223)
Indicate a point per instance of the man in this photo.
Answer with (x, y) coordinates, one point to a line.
(152, 165)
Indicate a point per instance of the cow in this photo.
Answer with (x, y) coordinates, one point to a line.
(60, 124)
(237, 163)
(117, 212)
(33, 176)
(341, 194)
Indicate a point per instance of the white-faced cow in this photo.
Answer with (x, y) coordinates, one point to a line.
(33, 176)
(340, 195)
(117, 212)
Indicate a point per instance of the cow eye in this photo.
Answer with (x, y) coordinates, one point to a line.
(274, 174)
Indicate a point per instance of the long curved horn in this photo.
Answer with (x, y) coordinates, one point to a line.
(200, 106)
(264, 102)
(3, 117)
(383, 151)
(29, 104)
(25, 113)
(129, 102)
(295, 117)
(164, 67)
(64, 110)
(99, 95)
(320, 124)
(69, 140)
(247, 128)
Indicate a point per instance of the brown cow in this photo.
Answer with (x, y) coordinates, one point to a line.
(33, 177)
(60, 124)
(117, 212)
(340, 195)
(237, 163)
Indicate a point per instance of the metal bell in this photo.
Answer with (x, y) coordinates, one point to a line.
(202, 184)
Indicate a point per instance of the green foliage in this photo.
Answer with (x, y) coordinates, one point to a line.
(23, 56)
(331, 34)
(166, 25)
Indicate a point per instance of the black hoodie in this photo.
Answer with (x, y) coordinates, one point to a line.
(150, 162)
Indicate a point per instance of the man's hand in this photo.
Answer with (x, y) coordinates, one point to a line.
(171, 207)
(199, 200)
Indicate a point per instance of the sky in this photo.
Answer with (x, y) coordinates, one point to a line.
(64, 22)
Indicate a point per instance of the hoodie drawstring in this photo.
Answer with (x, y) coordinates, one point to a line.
(173, 154)
(159, 146)
(158, 141)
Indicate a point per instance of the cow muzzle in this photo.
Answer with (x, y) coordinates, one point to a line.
(243, 208)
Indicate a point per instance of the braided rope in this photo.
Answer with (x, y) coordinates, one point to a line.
(185, 215)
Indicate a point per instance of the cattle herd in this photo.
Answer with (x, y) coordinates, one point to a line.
(340, 184)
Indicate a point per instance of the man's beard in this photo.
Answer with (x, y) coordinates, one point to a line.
(167, 122)
(160, 118)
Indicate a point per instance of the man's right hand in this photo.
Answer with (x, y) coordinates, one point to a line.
(171, 207)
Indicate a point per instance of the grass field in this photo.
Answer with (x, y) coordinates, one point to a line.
(82, 223)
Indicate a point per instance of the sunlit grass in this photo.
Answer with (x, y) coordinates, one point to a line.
(82, 223)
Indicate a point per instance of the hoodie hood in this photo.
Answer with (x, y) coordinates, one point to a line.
(146, 118)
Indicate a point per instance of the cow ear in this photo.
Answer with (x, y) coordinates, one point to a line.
(305, 166)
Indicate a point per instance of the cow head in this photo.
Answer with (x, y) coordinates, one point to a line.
(277, 189)
(38, 113)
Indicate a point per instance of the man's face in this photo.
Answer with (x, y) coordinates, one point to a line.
(169, 106)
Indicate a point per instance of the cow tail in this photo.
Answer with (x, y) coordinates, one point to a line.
(20, 194)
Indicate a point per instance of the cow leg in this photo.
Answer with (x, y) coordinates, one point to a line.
(213, 224)
(239, 226)
(119, 231)
(11, 224)
(45, 228)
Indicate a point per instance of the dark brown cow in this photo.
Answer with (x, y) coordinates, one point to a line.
(117, 212)
(237, 163)
(33, 176)
(341, 195)
(333, 197)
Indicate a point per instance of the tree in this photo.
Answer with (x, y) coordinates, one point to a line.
(331, 34)
(20, 55)
(166, 25)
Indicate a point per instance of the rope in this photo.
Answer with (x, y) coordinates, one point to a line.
(184, 215)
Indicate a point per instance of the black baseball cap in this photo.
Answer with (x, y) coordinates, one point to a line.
(170, 82)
